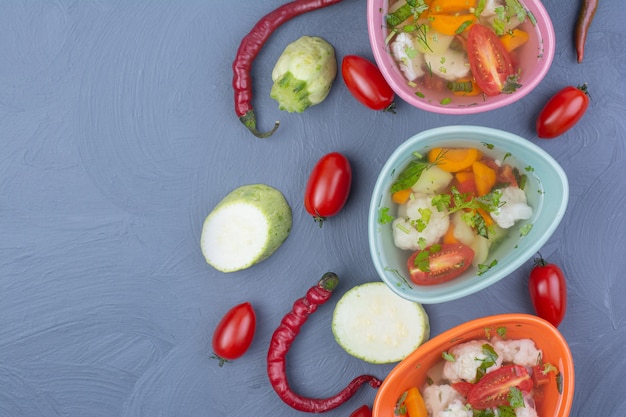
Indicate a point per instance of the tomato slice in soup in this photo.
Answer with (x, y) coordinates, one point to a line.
(447, 263)
(490, 63)
(492, 390)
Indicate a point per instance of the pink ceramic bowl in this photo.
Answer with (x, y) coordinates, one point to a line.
(532, 60)
(554, 398)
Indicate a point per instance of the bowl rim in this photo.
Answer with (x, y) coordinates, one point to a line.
(503, 270)
(456, 334)
(548, 42)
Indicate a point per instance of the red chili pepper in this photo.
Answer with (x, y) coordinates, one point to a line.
(585, 16)
(282, 340)
(249, 48)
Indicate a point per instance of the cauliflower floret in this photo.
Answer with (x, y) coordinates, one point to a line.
(513, 207)
(419, 223)
(439, 397)
(468, 357)
(528, 410)
(456, 409)
(451, 65)
(519, 351)
(410, 62)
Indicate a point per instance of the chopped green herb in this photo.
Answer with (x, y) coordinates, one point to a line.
(421, 261)
(525, 229)
(490, 359)
(480, 7)
(445, 101)
(511, 84)
(383, 216)
(529, 168)
(460, 86)
(506, 155)
(559, 383)
(548, 367)
(501, 331)
(488, 145)
(482, 268)
(400, 409)
(448, 356)
(463, 26)
(516, 400)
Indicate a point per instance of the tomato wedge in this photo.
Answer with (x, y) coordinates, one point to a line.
(490, 63)
(431, 267)
(492, 390)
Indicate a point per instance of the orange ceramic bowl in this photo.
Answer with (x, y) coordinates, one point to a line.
(412, 370)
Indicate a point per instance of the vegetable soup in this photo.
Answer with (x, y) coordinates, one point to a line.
(453, 206)
(459, 47)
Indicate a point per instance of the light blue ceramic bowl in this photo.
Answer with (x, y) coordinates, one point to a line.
(547, 190)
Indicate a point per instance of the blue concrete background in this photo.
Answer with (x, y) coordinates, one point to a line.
(119, 136)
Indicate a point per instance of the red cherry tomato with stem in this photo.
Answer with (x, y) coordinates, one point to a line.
(490, 63)
(363, 411)
(548, 291)
(562, 111)
(234, 333)
(493, 389)
(435, 265)
(367, 84)
(328, 187)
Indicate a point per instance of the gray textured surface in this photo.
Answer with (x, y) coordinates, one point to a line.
(119, 136)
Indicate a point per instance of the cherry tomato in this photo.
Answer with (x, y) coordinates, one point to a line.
(562, 111)
(234, 333)
(363, 411)
(492, 390)
(548, 291)
(328, 187)
(444, 264)
(490, 63)
(366, 83)
(462, 387)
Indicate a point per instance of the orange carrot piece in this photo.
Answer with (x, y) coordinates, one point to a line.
(452, 6)
(451, 24)
(402, 196)
(463, 176)
(484, 176)
(415, 405)
(489, 221)
(453, 159)
(514, 39)
(449, 236)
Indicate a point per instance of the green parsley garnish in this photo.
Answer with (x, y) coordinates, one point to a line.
(501, 331)
(383, 215)
(482, 268)
(422, 261)
(516, 400)
(490, 359)
(511, 84)
(525, 229)
(448, 356)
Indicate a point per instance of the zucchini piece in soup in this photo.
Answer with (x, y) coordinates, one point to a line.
(246, 227)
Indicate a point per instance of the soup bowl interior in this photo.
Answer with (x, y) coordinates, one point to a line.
(533, 61)
(554, 399)
(547, 192)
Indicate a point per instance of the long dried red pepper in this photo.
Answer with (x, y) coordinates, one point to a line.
(282, 340)
(249, 48)
(585, 16)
